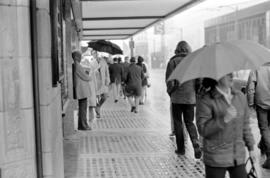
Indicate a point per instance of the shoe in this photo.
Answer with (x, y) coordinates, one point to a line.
(98, 112)
(135, 111)
(266, 164)
(86, 128)
(262, 147)
(132, 109)
(197, 152)
(180, 152)
(141, 103)
(115, 101)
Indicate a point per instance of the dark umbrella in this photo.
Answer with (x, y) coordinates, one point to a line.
(105, 46)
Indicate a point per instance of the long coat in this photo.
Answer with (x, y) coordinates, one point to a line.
(80, 82)
(102, 77)
(223, 143)
(134, 79)
(116, 73)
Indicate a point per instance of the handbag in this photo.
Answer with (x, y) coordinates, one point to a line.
(252, 172)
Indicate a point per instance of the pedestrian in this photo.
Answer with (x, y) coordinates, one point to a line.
(183, 100)
(258, 95)
(223, 122)
(103, 81)
(91, 66)
(144, 81)
(81, 90)
(116, 75)
(134, 84)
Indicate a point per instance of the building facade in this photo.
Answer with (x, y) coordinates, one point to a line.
(37, 37)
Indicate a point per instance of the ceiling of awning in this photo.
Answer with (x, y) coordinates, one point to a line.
(121, 19)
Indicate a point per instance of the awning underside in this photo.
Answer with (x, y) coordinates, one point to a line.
(121, 19)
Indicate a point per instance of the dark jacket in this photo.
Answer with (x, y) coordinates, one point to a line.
(183, 94)
(116, 73)
(134, 76)
(81, 88)
(223, 143)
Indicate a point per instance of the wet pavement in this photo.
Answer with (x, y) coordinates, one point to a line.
(128, 145)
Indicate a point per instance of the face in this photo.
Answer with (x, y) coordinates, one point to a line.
(226, 81)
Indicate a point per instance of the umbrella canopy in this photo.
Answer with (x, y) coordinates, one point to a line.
(105, 46)
(219, 59)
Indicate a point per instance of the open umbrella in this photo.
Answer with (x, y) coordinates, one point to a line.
(219, 59)
(105, 46)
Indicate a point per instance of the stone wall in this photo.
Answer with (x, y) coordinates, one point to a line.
(17, 144)
(50, 98)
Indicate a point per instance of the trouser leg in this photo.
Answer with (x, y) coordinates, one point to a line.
(172, 120)
(215, 172)
(263, 122)
(82, 120)
(188, 113)
(178, 125)
(238, 171)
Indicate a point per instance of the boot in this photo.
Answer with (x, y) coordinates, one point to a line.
(197, 151)
(262, 147)
(266, 164)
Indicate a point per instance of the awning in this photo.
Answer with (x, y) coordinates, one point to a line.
(121, 19)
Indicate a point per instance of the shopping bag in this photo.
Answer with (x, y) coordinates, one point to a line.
(252, 171)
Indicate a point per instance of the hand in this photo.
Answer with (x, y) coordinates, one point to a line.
(230, 114)
(252, 155)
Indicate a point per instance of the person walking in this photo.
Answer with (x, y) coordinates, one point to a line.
(91, 66)
(81, 89)
(133, 83)
(144, 81)
(116, 75)
(103, 81)
(183, 100)
(223, 121)
(258, 95)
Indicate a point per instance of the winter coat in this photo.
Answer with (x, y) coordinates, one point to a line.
(102, 77)
(80, 82)
(134, 76)
(183, 94)
(223, 143)
(258, 87)
(145, 72)
(116, 73)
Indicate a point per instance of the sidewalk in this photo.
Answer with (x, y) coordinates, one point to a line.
(125, 144)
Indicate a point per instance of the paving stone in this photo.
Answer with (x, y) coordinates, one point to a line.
(128, 145)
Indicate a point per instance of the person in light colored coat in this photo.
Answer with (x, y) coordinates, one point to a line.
(81, 89)
(103, 82)
(258, 95)
(223, 121)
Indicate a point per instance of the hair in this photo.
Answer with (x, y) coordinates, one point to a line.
(75, 53)
(115, 59)
(183, 48)
(209, 83)
(119, 59)
(132, 59)
(140, 59)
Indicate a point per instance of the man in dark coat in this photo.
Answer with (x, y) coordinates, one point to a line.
(81, 89)
(183, 100)
(134, 84)
(116, 75)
